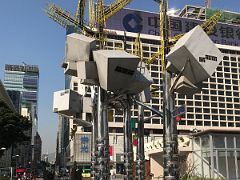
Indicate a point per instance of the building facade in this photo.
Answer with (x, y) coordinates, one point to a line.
(22, 84)
(216, 107)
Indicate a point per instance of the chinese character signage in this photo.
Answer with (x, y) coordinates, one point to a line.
(84, 140)
(148, 23)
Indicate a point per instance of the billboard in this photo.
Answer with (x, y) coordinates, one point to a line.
(148, 23)
(227, 17)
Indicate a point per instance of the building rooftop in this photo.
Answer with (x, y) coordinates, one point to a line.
(203, 13)
(22, 68)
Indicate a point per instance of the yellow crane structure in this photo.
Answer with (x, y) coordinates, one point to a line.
(91, 14)
(79, 15)
(65, 19)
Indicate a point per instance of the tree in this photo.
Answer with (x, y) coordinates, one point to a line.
(13, 127)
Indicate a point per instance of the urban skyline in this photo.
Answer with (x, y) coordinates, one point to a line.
(34, 47)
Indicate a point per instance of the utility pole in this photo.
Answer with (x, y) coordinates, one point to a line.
(170, 136)
(140, 164)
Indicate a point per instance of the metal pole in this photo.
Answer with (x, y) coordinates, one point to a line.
(94, 135)
(103, 136)
(11, 173)
(128, 146)
(170, 135)
(140, 148)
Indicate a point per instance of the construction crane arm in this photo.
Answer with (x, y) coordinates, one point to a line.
(208, 27)
(65, 19)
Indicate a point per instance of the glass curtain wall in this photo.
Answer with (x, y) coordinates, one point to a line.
(217, 156)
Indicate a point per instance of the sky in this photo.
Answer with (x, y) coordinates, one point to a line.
(28, 35)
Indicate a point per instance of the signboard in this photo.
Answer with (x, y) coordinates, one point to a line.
(148, 23)
(227, 17)
(84, 144)
(179, 110)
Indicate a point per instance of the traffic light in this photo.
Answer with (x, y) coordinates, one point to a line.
(178, 118)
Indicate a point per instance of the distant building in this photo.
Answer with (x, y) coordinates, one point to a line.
(22, 84)
(16, 99)
(38, 148)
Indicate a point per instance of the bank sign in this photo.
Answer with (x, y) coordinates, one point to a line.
(148, 23)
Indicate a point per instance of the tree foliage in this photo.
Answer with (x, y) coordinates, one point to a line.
(13, 127)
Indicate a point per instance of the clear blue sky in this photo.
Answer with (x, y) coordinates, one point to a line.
(28, 35)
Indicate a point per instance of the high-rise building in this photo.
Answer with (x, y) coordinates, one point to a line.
(209, 130)
(22, 84)
(214, 110)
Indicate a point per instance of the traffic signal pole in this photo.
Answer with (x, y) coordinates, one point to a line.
(170, 135)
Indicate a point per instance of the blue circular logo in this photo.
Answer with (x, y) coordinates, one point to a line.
(132, 23)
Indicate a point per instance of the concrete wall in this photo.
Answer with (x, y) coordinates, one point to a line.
(156, 165)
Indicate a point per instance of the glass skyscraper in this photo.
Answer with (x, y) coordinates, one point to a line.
(24, 78)
(22, 82)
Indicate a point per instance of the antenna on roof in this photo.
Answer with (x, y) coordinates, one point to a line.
(208, 3)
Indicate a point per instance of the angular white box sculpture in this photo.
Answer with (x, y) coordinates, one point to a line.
(79, 47)
(67, 102)
(70, 68)
(87, 72)
(141, 80)
(87, 105)
(184, 86)
(116, 69)
(201, 53)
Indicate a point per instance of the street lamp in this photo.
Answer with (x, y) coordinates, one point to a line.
(3, 149)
